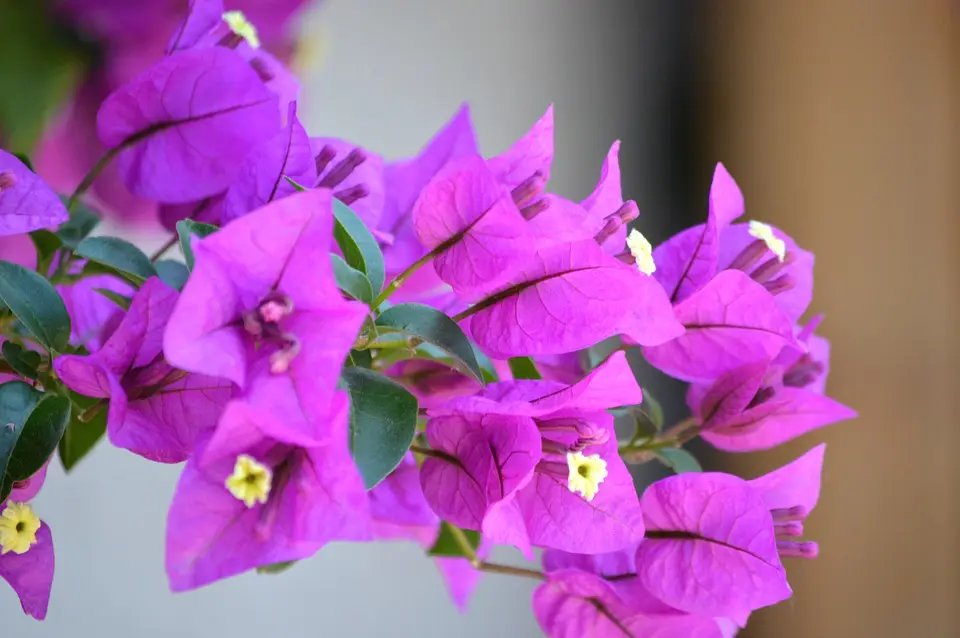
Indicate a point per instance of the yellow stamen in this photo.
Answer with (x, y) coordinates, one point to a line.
(642, 252)
(239, 24)
(764, 232)
(18, 528)
(586, 474)
(250, 481)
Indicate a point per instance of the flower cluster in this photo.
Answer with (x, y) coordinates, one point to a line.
(358, 349)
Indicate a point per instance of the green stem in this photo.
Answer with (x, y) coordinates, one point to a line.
(167, 246)
(402, 277)
(675, 436)
(484, 566)
(92, 176)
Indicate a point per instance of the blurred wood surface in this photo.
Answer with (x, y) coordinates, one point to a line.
(840, 119)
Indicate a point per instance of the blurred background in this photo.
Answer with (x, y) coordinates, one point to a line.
(839, 119)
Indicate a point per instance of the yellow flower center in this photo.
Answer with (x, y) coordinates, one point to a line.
(642, 252)
(764, 232)
(18, 528)
(586, 474)
(239, 24)
(250, 481)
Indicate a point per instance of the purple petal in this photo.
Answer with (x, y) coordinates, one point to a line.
(460, 578)
(432, 382)
(187, 123)
(368, 175)
(570, 297)
(792, 412)
(793, 302)
(730, 395)
(719, 556)
(531, 153)
(574, 604)
(164, 427)
(262, 176)
(561, 519)
(731, 321)
(19, 249)
(26, 202)
(726, 200)
(85, 375)
(31, 574)
(92, 316)
(203, 16)
(398, 499)
(609, 385)
(464, 205)
(607, 198)
(651, 320)
(495, 456)
(235, 267)
(207, 210)
(562, 221)
(138, 339)
(796, 483)
(405, 179)
(24, 491)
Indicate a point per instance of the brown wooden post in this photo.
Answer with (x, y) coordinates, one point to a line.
(840, 119)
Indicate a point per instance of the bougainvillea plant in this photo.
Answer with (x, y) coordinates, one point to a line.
(361, 349)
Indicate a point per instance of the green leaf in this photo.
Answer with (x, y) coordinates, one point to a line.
(172, 273)
(430, 325)
(24, 362)
(188, 227)
(351, 281)
(360, 359)
(81, 223)
(119, 256)
(47, 244)
(25, 447)
(36, 304)
(49, 62)
(360, 250)
(447, 545)
(383, 421)
(524, 368)
(121, 300)
(678, 460)
(80, 438)
(651, 410)
(23, 157)
(276, 568)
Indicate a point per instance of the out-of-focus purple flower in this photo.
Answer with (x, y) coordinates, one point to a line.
(26, 202)
(26, 548)
(535, 463)
(355, 176)
(186, 124)
(432, 382)
(734, 530)
(93, 316)
(729, 322)
(262, 289)
(258, 492)
(763, 404)
(155, 410)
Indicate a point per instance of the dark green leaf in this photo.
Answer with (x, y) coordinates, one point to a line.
(651, 410)
(276, 568)
(359, 248)
(26, 446)
(47, 244)
(23, 157)
(24, 362)
(524, 368)
(79, 437)
(119, 256)
(172, 273)
(351, 281)
(360, 359)
(447, 545)
(597, 354)
(432, 326)
(36, 304)
(678, 460)
(188, 227)
(383, 421)
(81, 223)
(121, 300)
